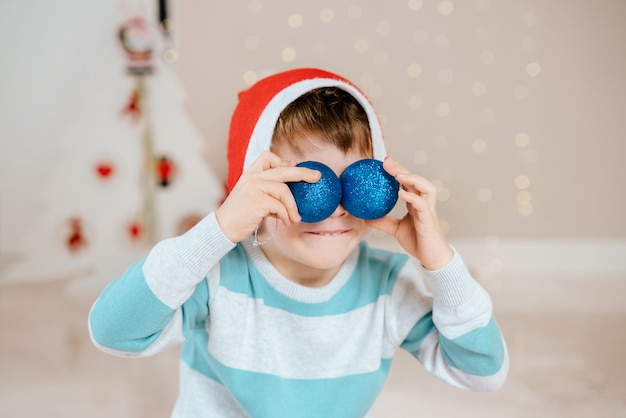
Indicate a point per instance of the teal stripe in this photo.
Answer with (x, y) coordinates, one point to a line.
(342, 397)
(420, 330)
(130, 327)
(195, 317)
(479, 352)
(375, 275)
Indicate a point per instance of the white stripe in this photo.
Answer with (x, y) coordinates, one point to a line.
(410, 300)
(246, 334)
(167, 277)
(213, 282)
(433, 361)
(295, 291)
(261, 138)
(202, 397)
(175, 266)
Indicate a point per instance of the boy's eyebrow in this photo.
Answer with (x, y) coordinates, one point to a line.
(301, 145)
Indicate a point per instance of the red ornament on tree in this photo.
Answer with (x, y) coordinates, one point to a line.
(134, 231)
(133, 108)
(105, 170)
(75, 241)
(165, 171)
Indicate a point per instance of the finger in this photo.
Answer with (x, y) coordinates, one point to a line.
(277, 203)
(266, 160)
(281, 193)
(418, 202)
(291, 174)
(407, 179)
(393, 167)
(417, 184)
(278, 210)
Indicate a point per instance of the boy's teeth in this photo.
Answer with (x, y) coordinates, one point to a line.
(329, 234)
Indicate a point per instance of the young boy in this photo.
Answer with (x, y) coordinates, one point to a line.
(283, 318)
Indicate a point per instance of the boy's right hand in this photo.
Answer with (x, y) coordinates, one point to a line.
(262, 191)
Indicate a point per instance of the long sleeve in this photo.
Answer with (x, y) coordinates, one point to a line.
(140, 313)
(458, 340)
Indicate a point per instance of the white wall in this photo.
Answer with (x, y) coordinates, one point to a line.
(48, 53)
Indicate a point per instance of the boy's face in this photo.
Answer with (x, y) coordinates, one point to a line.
(311, 253)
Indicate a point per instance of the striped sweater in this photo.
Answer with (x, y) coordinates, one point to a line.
(256, 344)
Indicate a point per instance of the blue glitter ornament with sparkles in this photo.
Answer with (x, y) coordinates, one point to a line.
(316, 201)
(368, 191)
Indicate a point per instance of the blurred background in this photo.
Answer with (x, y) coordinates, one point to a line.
(114, 125)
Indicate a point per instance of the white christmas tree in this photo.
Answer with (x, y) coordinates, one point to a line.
(133, 172)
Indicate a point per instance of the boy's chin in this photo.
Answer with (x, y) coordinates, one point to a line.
(332, 253)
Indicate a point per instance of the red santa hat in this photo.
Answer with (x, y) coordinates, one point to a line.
(253, 121)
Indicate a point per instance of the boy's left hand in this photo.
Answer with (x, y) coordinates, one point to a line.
(418, 232)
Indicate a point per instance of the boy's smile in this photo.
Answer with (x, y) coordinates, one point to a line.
(311, 254)
(329, 233)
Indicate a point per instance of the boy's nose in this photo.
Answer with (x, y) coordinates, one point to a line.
(340, 211)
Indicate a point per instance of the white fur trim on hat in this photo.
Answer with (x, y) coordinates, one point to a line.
(261, 139)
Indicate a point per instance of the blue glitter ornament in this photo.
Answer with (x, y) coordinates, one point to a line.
(368, 191)
(317, 201)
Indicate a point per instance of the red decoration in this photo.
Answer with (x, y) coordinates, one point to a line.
(165, 170)
(134, 231)
(104, 170)
(132, 108)
(76, 239)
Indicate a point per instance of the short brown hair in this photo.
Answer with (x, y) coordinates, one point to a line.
(330, 113)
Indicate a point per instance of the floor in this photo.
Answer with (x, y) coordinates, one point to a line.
(567, 362)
